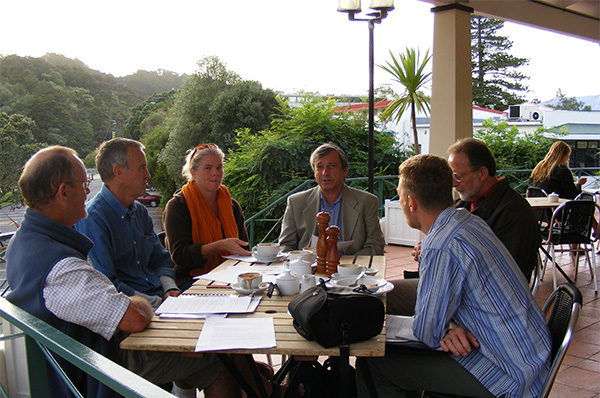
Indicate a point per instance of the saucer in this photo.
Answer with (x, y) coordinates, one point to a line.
(377, 286)
(279, 257)
(236, 286)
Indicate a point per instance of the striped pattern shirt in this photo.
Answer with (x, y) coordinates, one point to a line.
(467, 275)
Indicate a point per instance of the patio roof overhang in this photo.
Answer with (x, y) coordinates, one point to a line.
(451, 102)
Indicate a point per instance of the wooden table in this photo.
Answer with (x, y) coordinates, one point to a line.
(543, 203)
(181, 335)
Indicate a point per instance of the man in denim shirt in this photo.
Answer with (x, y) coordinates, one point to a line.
(126, 249)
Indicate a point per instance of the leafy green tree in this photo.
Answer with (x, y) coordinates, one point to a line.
(133, 126)
(212, 103)
(570, 103)
(245, 104)
(496, 80)
(409, 71)
(274, 161)
(514, 149)
(155, 135)
(70, 103)
(17, 144)
(146, 84)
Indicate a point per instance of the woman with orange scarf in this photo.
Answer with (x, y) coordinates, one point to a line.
(202, 222)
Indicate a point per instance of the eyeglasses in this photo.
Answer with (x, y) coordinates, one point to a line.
(86, 183)
(202, 147)
(459, 177)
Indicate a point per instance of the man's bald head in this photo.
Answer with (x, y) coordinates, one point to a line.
(44, 172)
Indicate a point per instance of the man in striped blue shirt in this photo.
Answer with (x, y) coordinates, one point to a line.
(474, 310)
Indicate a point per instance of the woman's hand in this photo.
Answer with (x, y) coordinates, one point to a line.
(235, 246)
(458, 340)
(581, 180)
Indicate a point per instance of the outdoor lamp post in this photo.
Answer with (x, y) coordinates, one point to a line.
(381, 8)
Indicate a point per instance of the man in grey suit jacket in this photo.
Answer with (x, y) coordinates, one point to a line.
(352, 210)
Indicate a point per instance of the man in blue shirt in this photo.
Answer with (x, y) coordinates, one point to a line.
(126, 249)
(351, 210)
(51, 277)
(473, 304)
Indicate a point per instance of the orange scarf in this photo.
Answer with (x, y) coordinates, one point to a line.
(206, 227)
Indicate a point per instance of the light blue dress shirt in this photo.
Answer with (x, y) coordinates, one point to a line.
(126, 248)
(467, 275)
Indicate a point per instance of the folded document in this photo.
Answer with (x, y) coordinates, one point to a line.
(208, 304)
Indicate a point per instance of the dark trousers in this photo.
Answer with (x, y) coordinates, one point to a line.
(405, 372)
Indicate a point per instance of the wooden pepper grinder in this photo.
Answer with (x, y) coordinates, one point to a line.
(333, 256)
(322, 223)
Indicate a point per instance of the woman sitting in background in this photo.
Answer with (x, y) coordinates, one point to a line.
(553, 175)
(202, 222)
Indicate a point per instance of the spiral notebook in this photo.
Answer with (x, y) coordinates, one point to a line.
(208, 304)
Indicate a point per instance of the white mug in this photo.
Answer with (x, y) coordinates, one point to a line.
(266, 250)
(300, 254)
(308, 281)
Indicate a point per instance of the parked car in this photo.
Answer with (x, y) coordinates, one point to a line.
(149, 199)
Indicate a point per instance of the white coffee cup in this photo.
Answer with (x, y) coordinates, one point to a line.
(553, 197)
(350, 269)
(249, 280)
(266, 250)
(307, 281)
(300, 254)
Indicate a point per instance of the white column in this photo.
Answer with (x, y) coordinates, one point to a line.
(452, 96)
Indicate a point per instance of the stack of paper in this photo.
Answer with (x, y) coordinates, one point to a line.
(236, 333)
(204, 304)
(399, 330)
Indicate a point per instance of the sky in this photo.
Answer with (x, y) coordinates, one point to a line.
(285, 45)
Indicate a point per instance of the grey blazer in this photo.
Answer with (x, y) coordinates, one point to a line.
(360, 221)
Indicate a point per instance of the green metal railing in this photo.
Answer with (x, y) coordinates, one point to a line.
(42, 342)
(519, 179)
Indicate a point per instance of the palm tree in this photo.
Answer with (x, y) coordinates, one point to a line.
(409, 73)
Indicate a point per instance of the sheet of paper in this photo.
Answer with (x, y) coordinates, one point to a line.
(341, 245)
(254, 302)
(229, 275)
(399, 330)
(233, 333)
(205, 304)
(399, 327)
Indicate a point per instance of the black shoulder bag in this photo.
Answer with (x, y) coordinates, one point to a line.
(337, 320)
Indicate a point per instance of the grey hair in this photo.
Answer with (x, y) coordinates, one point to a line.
(114, 153)
(194, 157)
(324, 150)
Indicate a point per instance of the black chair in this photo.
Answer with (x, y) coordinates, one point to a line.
(565, 303)
(585, 196)
(571, 225)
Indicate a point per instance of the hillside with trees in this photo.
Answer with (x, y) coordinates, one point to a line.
(69, 103)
